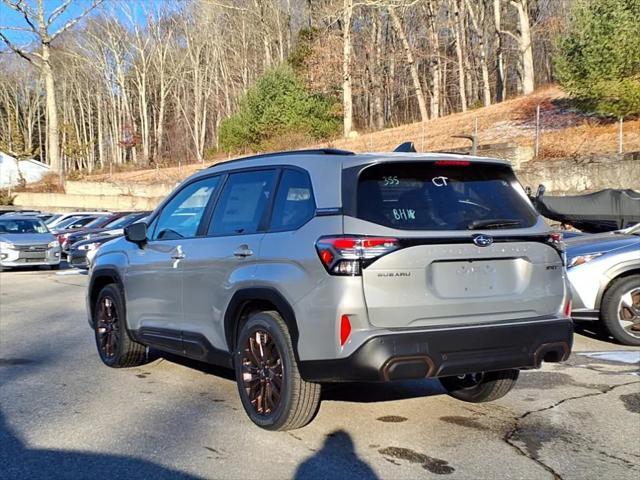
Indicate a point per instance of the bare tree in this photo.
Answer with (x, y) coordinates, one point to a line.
(347, 95)
(41, 26)
(417, 86)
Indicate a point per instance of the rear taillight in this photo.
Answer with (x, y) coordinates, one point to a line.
(567, 309)
(350, 254)
(453, 163)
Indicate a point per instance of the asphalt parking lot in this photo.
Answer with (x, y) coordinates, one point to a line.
(65, 415)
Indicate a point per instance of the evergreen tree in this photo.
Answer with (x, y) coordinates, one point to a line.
(599, 59)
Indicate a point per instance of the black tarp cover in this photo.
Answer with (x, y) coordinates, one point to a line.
(594, 212)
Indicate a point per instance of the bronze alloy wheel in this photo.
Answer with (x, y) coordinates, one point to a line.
(262, 372)
(108, 328)
(629, 311)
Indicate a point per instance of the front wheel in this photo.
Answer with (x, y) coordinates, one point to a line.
(273, 393)
(116, 348)
(480, 387)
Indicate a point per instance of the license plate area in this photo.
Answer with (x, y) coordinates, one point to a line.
(478, 278)
(32, 256)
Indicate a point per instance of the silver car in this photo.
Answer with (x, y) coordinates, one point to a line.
(604, 272)
(26, 241)
(303, 268)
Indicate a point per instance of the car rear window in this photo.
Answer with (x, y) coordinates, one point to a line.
(442, 195)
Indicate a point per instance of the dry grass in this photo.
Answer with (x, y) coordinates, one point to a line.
(49, 184)
(564, 133)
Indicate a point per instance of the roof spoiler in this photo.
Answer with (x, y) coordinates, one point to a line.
(406, 147)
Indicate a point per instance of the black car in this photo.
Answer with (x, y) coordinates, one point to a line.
(78, 252)
(117, 221)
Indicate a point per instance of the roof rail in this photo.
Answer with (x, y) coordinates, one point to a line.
(321, 151)
(406, 147)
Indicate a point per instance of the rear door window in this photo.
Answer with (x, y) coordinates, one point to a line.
(243, 203)
(294, 204)
(442, 195)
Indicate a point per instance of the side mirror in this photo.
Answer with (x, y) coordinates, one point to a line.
(136, 233)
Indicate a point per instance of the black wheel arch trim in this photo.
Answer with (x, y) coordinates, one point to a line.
(99, 274)
(242, 297)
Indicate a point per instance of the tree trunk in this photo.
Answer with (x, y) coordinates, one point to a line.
(458, 35)
(347, 95)
(525, 47)
(53, 144)
(417, 87)
(501, 85)
(486, 89)
(378, 107)
(436, 67)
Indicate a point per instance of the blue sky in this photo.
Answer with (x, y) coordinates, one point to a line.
(11, 18)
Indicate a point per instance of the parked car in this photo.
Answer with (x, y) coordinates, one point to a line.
(81, 253)
(75, 223)
(98, 223)
(26, 241)
(53, 222)
(604, 273)
(309, 267)
(113, 226)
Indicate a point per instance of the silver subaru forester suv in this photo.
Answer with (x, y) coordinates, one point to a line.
(303, 268)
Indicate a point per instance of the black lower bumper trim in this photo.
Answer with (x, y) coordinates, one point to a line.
(448, 351)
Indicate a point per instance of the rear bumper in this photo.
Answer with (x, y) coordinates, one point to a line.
(449, 351)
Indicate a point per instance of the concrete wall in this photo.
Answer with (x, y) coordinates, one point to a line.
(588, 174)
(114, 189)
(60, 202)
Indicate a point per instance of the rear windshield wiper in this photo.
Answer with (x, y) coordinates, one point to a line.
(494, 223)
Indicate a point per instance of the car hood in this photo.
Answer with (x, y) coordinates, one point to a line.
(100, 240)
(601, 242)
(26, 238)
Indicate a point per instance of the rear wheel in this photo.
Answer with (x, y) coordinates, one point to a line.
(620, 310)
(115, 346)
(273, 393)
(480, 387)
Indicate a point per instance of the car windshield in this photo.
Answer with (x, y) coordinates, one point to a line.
(97, 222)
(68, 221)
(52, 218)
(122, 221)
(442, 195)
(22, 226)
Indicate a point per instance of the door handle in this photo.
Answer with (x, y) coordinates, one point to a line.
(178, 254)
(243, 251)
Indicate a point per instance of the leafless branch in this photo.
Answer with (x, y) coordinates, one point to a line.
(75, 20)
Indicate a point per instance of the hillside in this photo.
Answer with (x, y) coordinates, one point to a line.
(564, 133)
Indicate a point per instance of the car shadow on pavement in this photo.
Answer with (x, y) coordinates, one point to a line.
(592, 330)
(382, 392)
(336, 459)
(18, 461)
(225, 373)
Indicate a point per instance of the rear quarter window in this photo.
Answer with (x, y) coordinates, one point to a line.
(442, 196)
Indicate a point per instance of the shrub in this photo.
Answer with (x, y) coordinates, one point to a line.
(598, 61)
(6, 198)
(278, 106)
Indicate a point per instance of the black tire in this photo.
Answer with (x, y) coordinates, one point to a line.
(482, 387)
(109, 317)
(609, 310)
(55, 267)
(298, 400)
